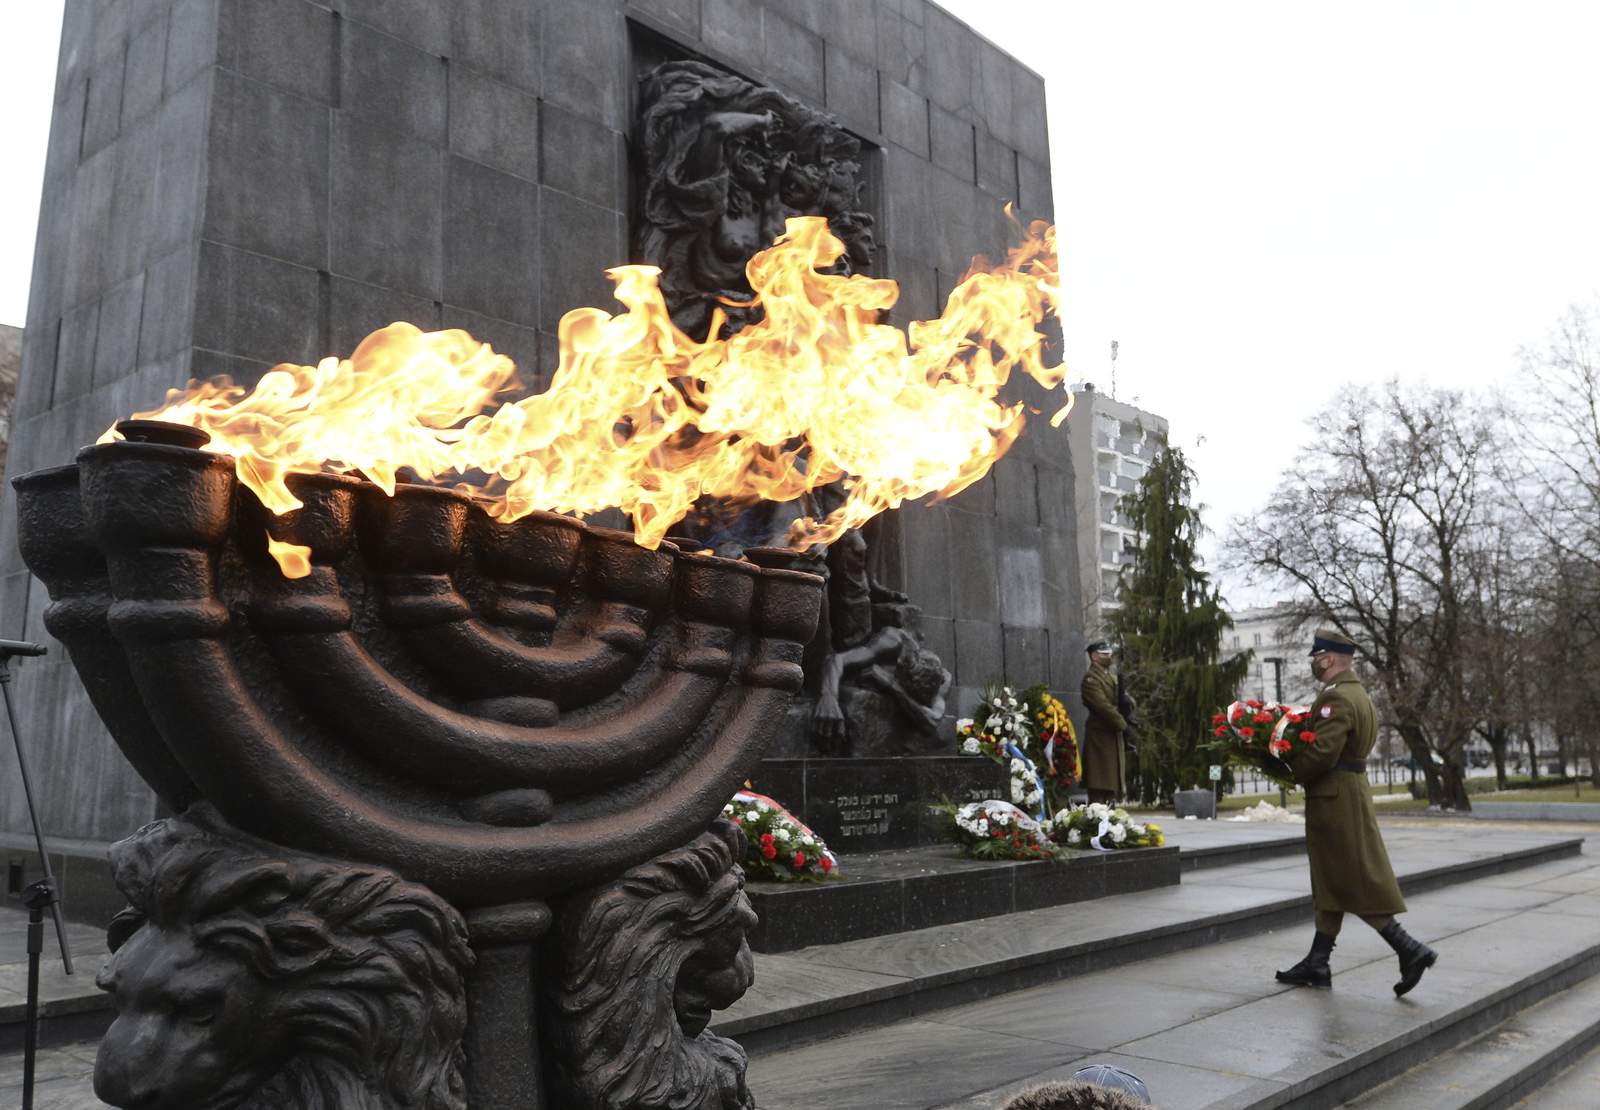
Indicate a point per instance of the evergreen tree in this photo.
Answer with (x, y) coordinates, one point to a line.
(1170, 623)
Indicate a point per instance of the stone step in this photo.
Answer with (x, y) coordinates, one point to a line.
(899, 890)
(1577, 1088)
(824, 990)
(1503, 1065)
(1209, 1028)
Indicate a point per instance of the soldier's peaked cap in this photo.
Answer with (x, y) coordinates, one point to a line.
(1331, 639)
(1100, 647)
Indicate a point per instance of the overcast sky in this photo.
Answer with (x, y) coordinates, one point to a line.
(1263, 202)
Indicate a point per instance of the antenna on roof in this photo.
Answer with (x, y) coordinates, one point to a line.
(1113, 369)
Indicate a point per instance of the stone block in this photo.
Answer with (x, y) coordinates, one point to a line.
(974, 571)
(997, 167)
(66, 133)
(267, 185)
(994, 91)
(732, 26)
(952, 62)
(109, 34)
(938, 900)
(255, 307)
(953, 143)
(906, 200)
(583, 157)
(74, 374)
(102, 113)
(181, 137)
(1027, 655)
(206, 363)
(1021, 578)
(862, 805)
(422, 23)
(828, 914)
(978, 498)
(38, 374)
(925, 547)
(851, 25)
(392, 82)
(491, 249)
(142, 73)
(919, 298)
(586, 60)
(1135, 869)
(493, 123)
(168, 305)
(1032, 135)
(902, 47)
(1056, 509)
(13, 596)
(388, 191)
(1201, 803)
(1016, 490)
(793, 57)
(905, 116)
(285, 43)
(135, 200)
(501, 37)
(519, 344)
(116, 349)
(1035, 201)
(356, 310)
(980, 657)
(851, 91)
(679, 16)
(580, 242)
(191, 41)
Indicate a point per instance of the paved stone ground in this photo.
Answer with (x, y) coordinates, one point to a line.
(1203, 1026)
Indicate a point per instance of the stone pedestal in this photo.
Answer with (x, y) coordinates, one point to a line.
(1195, 803)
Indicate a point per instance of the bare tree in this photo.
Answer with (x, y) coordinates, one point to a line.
(1372, 525)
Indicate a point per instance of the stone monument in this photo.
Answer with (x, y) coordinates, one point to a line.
(230, 185)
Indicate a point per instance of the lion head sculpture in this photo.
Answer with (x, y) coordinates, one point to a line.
(634, 973)
(248, 977)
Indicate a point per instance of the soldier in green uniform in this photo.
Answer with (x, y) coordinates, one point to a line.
(1104, 764)
(1350, 870)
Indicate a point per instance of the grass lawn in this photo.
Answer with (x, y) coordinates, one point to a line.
(1233, 803)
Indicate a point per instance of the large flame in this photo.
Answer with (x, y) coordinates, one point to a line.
(641, 417)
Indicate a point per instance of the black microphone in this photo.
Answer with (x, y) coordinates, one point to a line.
(21, 647)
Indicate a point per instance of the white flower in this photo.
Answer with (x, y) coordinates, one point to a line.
(1074, 836)
(1136, 830)
(1000, 817)
(971, 746)
(983, 827)
(1098, 810)
(1118, 834)
(1018, 767)
(727, 810)
(963, 724)
(752, 815)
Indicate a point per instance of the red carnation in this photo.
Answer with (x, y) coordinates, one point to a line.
(1238, 714)
(768, 852)
(799, 859)
(1253, 704)
(1221, 730)
(826, 864)
(1217, 718)
(1247, 731)
(766, 838)
(1308, 736)
(1263, 718)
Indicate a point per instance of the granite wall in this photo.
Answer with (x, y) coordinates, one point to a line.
(233, 183)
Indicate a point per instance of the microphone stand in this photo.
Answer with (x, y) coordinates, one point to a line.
(40, 894)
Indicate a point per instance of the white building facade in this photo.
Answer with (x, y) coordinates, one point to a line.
(1112, 444)
(1280, 663)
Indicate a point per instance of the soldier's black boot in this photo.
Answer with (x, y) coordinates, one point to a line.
(1313, 971)
(1415, 957)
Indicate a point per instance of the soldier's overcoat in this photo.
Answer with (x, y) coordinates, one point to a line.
(1104, 764)
(1350, 869)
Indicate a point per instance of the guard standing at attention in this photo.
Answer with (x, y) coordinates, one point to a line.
(1105, 773)
(1350, 870)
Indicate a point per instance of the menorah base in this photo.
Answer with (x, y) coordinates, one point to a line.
(245, 975)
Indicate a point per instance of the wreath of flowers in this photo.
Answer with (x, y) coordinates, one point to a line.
(998, 830)
(1104, 828)
(778, 846)
(1004, 730)
(1060, 763)
(1261, 735)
